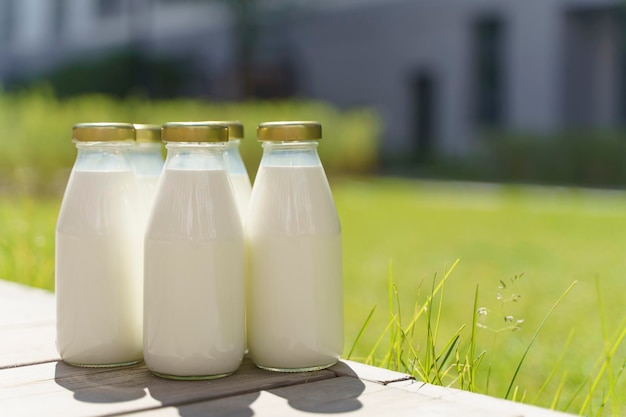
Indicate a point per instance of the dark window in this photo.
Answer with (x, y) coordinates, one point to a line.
(592, 77)
(489, 71)
(424, 115)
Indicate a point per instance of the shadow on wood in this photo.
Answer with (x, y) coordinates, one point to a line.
(101, 385)
(339, 395)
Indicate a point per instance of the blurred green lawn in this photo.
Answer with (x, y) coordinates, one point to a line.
(553, 236)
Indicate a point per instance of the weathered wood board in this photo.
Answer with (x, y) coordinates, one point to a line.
(34, 383)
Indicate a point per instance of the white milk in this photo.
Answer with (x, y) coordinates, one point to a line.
(238, 176)
(242, 189)
(194, 277)
(147, 188)
(99, 270)
(295, 311)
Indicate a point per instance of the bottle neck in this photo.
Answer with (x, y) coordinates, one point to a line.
(103, 146)
(147, 159)
(195, 156)
(233, 144)
(234, 163)
(290, 154)
(147, 148)
(103, 156)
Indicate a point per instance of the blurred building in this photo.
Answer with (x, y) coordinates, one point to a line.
(439, 71)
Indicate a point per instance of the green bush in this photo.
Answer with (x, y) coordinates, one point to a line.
(586, 158)
(575, 158)
(36, 151)
(120, 74)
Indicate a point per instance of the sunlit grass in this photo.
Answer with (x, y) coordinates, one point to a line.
(552, 236)
(27, 240)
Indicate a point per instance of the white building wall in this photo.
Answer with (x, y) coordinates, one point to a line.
(79, 22)
(31, 26)
(362, 52)
(378, 46)
(83, 29)
(379, 49)
(534, 65)
(368, 56)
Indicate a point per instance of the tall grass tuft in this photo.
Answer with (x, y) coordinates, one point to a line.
(418, 347)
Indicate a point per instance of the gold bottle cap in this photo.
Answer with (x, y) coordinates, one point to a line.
(289, 131)
(148, 133)
(103, 132)
(235, 128)
(194, 132)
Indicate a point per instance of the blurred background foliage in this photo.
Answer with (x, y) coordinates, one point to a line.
(36, 152)
(123, 73)
(591, 158)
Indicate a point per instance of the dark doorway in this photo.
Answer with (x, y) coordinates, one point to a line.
(593, 70)
(424, 102)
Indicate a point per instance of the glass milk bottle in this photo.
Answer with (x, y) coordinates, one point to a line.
(98, 265)
(295, 301)
(236, 168)
(194, 260)
(147, 162)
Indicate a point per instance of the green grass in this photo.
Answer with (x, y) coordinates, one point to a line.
(552, 236)
(400, 237)
(27, 240)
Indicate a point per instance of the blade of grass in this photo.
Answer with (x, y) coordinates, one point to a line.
(439, 308)
(430, 361)
(598, 378)
(398, 329)
(368, 359)
(472, 347)
(447, 350)
(574, 396)
(534, 337)
(415, 360)
(431, 338)
(390, 297)
(555, 367)
(606, 397)
(358, 337)
(559, 392)
(607, 355)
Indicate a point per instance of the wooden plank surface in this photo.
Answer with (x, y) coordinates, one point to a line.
(472, 402)
(341, 396)
(27, 325)
(36, 389)
(48, 387)
(369, 373)
(334, 396)
(461, 399)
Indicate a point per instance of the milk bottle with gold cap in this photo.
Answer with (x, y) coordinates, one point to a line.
(236, 168)
(194, 260)
(98, 271)
(147, 161)
(294, 288)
